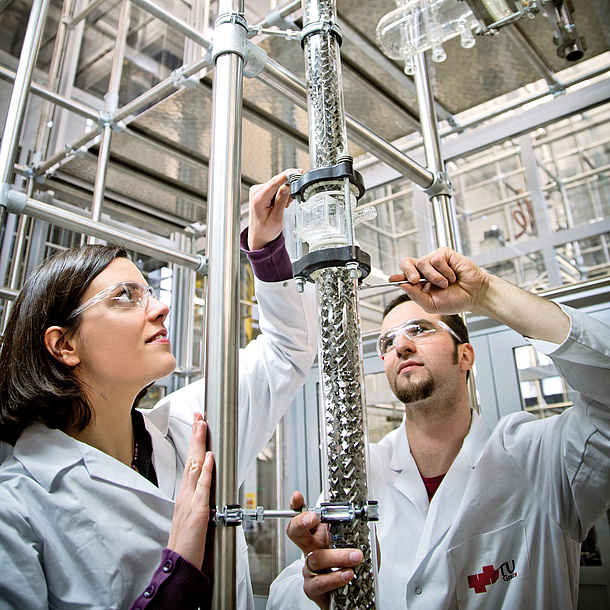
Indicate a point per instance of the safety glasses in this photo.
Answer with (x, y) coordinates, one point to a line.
(414, 330)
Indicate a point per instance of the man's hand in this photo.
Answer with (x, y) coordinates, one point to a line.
(325, 569)
(455, 283)
(267, 204)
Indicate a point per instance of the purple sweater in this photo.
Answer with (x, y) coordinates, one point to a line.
(176, 583)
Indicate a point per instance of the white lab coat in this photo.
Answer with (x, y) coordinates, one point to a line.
(511, 512)
(78, 529)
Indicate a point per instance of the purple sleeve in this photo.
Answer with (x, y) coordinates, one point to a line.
(175, 585)
(271, 263)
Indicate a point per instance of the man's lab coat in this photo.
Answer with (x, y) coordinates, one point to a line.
(78, 529)
(504, 528)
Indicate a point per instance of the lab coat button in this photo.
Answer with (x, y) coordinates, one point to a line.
(168, 565)
(417, 590)
(149, 592)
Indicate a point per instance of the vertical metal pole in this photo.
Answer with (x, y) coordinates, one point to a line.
(340, 357)
(445, 224)
(443, 210)
(21, 87)
(111, 103)
(222, 315)
(59, 50)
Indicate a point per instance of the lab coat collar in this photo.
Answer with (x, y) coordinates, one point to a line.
(45, 453)
(472, 448)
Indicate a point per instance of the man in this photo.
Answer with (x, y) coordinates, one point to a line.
(472, 518)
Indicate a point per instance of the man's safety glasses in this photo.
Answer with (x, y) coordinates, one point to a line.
(124, 295)
(414, 330)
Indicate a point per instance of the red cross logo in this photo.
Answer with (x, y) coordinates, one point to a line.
(479, 582)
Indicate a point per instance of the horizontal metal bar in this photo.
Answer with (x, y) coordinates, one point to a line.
(88, 113)
(289, 85)
(83, 224)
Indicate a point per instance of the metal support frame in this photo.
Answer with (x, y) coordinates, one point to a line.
(16, 109)
(222, 314)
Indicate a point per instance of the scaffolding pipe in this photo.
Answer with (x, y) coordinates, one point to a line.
(445, 224)
(55, 98)
(285, 83)
(21, 87)
(111, 103)
(74, 21)
(222, 311)
(83, 224)
(57, 59)
(173, 22)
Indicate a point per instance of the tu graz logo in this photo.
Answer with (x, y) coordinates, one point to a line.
(489, 575)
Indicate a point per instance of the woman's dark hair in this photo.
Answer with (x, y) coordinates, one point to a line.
(454, 322)
(34, 385)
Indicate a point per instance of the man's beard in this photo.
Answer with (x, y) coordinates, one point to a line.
(415, 391)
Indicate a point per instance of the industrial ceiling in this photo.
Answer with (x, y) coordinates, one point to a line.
(157, 176)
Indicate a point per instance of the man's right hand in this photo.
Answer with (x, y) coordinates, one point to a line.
(325, 569)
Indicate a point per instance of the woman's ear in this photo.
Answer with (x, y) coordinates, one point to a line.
(60, 347)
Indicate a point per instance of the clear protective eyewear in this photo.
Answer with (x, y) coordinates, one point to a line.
(414, 330)
(124, 295)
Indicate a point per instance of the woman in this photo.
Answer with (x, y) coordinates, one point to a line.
(87, 499)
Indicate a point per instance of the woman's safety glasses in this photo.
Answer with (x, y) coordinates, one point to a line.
(124, 295)
(414, 330)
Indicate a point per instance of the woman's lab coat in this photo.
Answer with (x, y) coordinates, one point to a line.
(504, 528)
(78, 529)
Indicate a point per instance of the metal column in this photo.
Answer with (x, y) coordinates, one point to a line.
(445, 224)
(222, 316)
(16, 109)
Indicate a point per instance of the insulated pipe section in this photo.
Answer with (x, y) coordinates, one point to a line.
(330, 199)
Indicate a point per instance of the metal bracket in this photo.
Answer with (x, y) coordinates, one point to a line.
(256, 59)
(328, 512)
(230, 35)
(351, 257)
(204, 267)
(179, 80)
(321, 27)
(106, 119)
(441, 185)
(12, 200)
(343, 169)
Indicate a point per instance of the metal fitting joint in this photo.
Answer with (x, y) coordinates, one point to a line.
(321, 27)
(230, 35)
(441, 185)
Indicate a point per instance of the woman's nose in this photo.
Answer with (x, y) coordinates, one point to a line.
(156, 308)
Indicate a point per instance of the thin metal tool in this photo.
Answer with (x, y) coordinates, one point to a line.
(386, 284)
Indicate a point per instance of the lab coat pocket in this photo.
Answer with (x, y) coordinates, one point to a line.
(492, 570)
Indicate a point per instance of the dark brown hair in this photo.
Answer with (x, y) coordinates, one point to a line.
(34, 385)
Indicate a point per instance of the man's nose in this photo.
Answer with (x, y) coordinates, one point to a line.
(404, 344)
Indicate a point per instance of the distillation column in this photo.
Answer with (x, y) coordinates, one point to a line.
(325, 197)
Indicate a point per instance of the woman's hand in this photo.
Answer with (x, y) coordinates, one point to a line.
(267, 204)
(192, 510)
